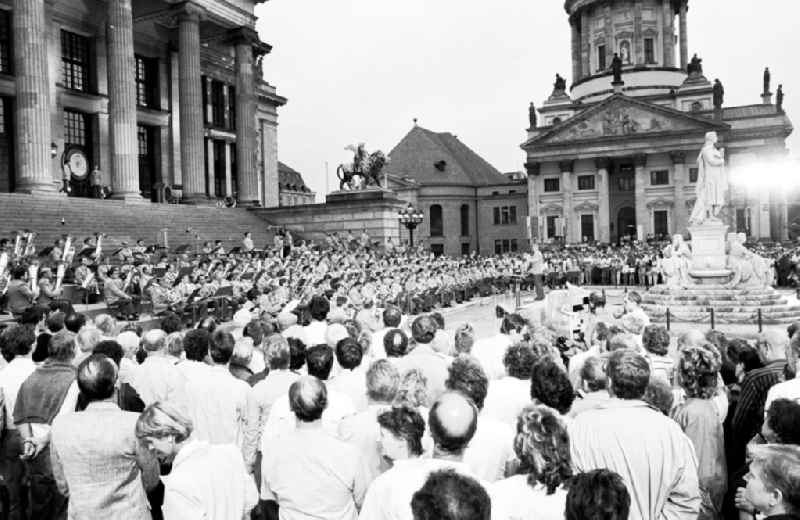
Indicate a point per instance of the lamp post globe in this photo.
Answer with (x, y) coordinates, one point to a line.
(410, 217)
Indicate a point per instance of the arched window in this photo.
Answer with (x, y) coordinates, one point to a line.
(464, 220)
(436, 221)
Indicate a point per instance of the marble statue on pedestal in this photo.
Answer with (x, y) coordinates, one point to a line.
(747, 268)
(712, 182)
(675, 265)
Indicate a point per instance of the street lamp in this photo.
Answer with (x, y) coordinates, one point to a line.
(410, 217)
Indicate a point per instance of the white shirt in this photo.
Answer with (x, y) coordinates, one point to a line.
(314, 333)
(208, 482)
(128, 369)
(376, 349)
(353, 384)
(311, 474)
(218, 406)
(515, 499)
(787, 390)
(506, 398)
(490, 449)
(363, 432)
(11, 378)
(282, 420)
(490, 352)
(195, 371)
(293, 331)
(158, 379)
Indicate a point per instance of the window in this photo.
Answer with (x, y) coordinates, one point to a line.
(660, 220)
(464, 220)
(217, 104)
(437, 249)
(465, 249)
(585, 182)
(626, 183)
(505, 246)
(551, 184)
(437, 223)
(693, 174)
(146, 82)
(659, 177)
(743, 220)
(75, 128)
(75, 61)
(505, 215)
(601, 57)
(587, 228)
(552, 226)
(5, 41)
(231, 107)
(495, 193)
(649, 50)
(496, 216)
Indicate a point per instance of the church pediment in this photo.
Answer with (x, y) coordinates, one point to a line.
(623, 116)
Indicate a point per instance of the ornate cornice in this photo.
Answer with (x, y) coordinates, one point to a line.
(660, 203)
(533, 168)
(566, 166)
(552, 208)
(586, 206)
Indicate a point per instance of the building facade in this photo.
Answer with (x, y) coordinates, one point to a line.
(615, 159)
(468, 205)
(155, 94)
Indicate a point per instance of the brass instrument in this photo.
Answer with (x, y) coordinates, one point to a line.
(62, 267)
(128, 280)
(99, 248)
(65, 255)
(30, 249)
(5, 277)
(88, 280)
(33, 274)
(18, 246)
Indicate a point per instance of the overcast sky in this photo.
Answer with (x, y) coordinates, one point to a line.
(362, 70)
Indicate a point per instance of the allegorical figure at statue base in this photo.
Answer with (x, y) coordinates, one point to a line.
(675, 264)
(712, 182)
(748, 269)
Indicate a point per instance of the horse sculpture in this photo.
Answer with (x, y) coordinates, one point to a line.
(366, 166)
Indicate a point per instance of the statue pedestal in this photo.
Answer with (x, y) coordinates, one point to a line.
(708, 253)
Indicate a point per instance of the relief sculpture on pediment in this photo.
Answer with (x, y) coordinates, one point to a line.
(616, 121)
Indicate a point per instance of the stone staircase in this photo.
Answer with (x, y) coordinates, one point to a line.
(693, 304)
(128, 222)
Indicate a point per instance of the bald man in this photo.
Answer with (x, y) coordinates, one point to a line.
(307, 473)
(157, 378)
(452, 422)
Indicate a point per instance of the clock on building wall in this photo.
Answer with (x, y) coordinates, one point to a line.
(75, 160)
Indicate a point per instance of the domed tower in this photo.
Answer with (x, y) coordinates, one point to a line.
(641, 32)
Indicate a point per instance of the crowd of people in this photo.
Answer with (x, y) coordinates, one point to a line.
(336, 391)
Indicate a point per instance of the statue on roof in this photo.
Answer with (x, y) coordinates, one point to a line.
(532, 115)
(779, 99)
(364, 171)
(767, 77)
(616, 68)
(560, 85)
(718, 94)
(695, 67)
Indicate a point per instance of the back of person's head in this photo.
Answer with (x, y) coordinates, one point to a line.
(464, 339)
(519, 360)
(622, 341)
(111, 349)
(542, 446)
(62, 346)
(276, 352)
(154, 340)
(512, 323)
(74, 322)
(777, 466)
(593, 374)
(17, 340)
(383, 380)
(629, 374)
(782, 424)
(392, 316)
(164, 419)
(601, 332)
(242, 352)
(33, 315)
(97, 377)
(254, 330)
(221, 347)
(550, 385)
(319, 308)
(413, 389)
(404, 422)
(599, 494)
(655, 339)
(659, 395)
(423, 329)
(87, 338)
(772, 345)
(195, 344)
(633, 324)
(319, 360)
(297, 353)
(40, 352)
(348, 353)
(106, 324)
(438, 319)
(634, 297)
(691, 337)
(171, 322)
(465, 375)
(209, 324)
(55, 321)
(18, 272)
(698, 368)
(174, 343)
(452, 421)
(62, 306)
(448, 495)
(308, 398)
(395, 342)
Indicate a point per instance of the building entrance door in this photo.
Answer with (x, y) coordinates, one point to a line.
(626, 223)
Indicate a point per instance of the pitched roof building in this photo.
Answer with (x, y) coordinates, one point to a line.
(292, 187)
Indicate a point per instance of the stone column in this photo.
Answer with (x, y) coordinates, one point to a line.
(122, 101)
(609, 29)
(566, 168)
(586, 45)
(668, 31)
(210, 168)
(33, 97)
(574, 24)
(637, 45)
(229, 172)
(269, 150)
(640, 179)
(243, 40)
(684, 36)
(680, 180)
(534, 169)
(191, 99)
(603, 216)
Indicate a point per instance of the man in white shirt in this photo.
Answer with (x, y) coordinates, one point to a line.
(789, 389)
(247, 242)
(491, 450)
(452, 422)
(508, 395)
(432, 364)
(157, 378)
(195, 345)
(307, 473)
(217, 404)
(18, 342)
(314, 332)
(536, 269)
(287, 323)
(351, 379)
(391, 320)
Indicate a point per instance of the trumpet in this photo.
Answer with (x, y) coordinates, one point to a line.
(29, 247)
(99, 248)
(67, 246)
(60, 275)
(128, 280)
(18, 246)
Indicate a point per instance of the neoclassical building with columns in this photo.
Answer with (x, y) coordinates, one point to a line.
(153, 93)
(607, 159)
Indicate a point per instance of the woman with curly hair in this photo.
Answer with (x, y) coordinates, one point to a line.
(655, 340)
(540, 489)
(697, 373)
